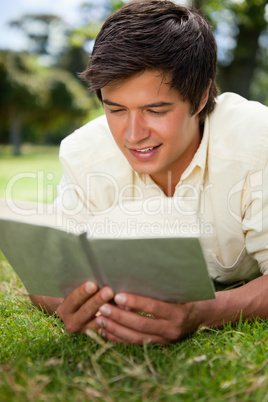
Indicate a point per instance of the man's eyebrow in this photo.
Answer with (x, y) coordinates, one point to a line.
(159, 104)
(110, 103)
(155, 104)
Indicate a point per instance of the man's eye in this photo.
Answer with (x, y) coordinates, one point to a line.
(157, 112)
(114, 111)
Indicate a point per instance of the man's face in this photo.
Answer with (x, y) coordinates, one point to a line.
(152, 125)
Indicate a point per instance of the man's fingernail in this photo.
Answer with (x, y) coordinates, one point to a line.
(107, 294)
(120, 299)
(101, 333)
(105, 309)
(101, 322)
(90, 287)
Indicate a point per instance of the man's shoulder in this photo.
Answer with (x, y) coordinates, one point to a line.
(92, 141)
(234, 106)
(238, 128)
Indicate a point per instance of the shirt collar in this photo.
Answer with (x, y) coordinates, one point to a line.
(200, 158)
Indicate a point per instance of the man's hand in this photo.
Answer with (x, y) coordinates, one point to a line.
(89, 308)
(164, 322)
(171, 321)
(78, 310)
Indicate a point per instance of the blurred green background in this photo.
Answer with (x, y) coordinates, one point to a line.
(42, 99)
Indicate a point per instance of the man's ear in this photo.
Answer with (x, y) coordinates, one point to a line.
(205, 98)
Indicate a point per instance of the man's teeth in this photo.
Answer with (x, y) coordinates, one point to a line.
(145, 149)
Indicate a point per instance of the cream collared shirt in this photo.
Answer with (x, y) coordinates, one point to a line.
(225, 187)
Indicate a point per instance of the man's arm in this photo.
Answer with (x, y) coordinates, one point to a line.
(46, 303)
(249, 300)
(174, 321)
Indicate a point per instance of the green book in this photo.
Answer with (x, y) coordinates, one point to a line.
(51, 261)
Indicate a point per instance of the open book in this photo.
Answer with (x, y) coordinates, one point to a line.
(52, 261)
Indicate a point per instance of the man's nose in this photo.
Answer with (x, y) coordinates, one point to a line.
(136, 129)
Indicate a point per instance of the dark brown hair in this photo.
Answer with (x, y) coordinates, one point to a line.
(157, 35)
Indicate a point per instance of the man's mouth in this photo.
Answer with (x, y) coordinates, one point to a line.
(144, 150)
(145, 154)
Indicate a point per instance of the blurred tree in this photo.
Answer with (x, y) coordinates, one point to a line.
(46, 33)
(94, 15)
(244, 23)
(41, 97)
(52, 39)
(44, 98)
(49, 37)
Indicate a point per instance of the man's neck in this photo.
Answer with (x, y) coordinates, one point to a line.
(168, 180)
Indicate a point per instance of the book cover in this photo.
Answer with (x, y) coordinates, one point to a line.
(52, 262)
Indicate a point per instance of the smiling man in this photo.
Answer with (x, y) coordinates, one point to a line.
(165, 132)
(154, 128)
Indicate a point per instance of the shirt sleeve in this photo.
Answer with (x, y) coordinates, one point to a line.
(255, 217)
(68, 200)
(73, 153)
(94, 170)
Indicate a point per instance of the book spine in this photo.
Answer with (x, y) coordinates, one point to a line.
(92, 259)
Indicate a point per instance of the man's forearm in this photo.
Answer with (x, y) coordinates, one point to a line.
(46, 303)
(251, 300)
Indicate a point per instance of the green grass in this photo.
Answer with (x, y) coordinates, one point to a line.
(40, 361)
(33, 176)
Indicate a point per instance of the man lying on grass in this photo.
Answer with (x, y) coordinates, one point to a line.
(165, 132)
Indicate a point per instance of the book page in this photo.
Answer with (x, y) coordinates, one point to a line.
(148, 262)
